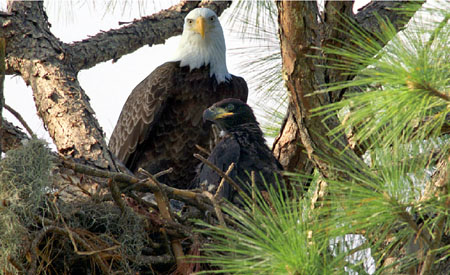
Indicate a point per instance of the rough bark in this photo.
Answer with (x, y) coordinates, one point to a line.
(288, 148)
(300, 37)
(50, 67)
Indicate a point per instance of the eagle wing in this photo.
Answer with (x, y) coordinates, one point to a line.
(141, 111)
(226, 151)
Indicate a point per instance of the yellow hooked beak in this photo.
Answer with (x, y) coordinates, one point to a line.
(200, 26)
(215, 113)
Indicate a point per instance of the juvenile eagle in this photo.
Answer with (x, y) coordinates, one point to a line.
(161, 121)
(243, 144)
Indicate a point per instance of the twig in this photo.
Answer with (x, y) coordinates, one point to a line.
(19, 118)
(163, 206)
(143, 172)
(203, 150)
(143, 202)
(127, 182)
(88, 170)
(95, 254)
(164, 172)
(215, 198)
(426, 87)
(222, 181)
(216, 205)
(162, 259)
(410, 221)
(222, 174)
(17, 265)
(431, 254)
(116, 195)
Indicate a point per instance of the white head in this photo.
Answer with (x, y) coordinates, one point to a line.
(202, 43)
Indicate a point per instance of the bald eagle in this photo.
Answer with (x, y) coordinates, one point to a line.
(243, 144)
(161, 121)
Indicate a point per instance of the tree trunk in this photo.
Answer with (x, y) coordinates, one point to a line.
(303, 31)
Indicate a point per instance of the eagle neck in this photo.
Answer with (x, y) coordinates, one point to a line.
(196, 52)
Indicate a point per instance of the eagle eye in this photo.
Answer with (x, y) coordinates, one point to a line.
(190, 21)
(211, 18)
(229, 107)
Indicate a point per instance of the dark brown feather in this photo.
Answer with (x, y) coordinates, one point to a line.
(161, 121)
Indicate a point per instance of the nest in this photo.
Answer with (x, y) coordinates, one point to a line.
(58, 217)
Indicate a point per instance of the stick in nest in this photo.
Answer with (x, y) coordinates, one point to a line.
(127, 183)
(223, 175)
(164, 208)
(216, 197)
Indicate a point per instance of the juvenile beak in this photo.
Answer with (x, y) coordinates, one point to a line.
(213, 113)
(200, 26)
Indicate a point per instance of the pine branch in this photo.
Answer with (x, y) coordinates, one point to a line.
(426, 87)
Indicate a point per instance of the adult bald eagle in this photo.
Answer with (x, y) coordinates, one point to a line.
(243, 144)
(161, 121)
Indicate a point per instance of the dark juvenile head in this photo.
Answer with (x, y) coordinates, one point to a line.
(229, 113)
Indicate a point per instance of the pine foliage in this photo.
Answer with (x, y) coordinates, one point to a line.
(388, 214)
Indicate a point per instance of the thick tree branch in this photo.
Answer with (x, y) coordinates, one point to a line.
(149, 30)
(337, 31)
(387, 10)
(333, 36)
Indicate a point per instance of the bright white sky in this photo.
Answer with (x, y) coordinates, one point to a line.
(108, 84)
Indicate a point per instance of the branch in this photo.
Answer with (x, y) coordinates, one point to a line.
(20, 119)
(334, 21)
(216, 197)
(222, 174)
(338, 16)
(438, 187)
(391, 10)
(428, 88)
(164, 210)
(431, 255)
(149, 30)
(73, 237)
(127, 182)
